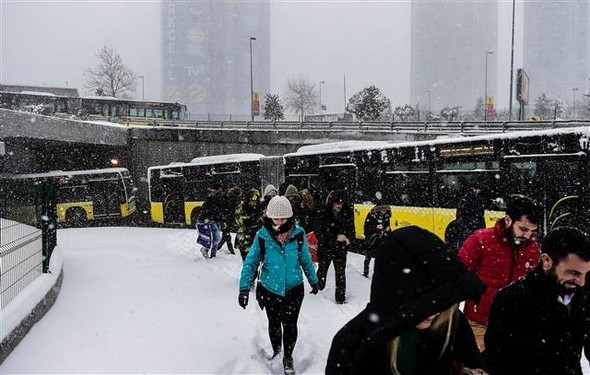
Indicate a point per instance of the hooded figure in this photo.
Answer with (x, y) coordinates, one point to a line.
(416, 277)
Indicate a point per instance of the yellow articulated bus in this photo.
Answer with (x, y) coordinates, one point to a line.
(177, 190)
(423, 181)
(88, 195)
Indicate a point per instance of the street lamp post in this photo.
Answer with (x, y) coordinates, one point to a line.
(511, 64)
(321, 83)
(574, 105)
(251, 82)
(485, 97)
(142, 87)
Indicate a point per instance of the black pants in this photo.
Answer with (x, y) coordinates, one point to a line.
(226, 237)
(282, 314)
(367, 264)
(340, 270)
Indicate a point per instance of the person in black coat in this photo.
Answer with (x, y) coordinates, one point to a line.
(211, 212)
(334, 231)
(411, 324)
(540, 323)
(470, 217)
(377, 225)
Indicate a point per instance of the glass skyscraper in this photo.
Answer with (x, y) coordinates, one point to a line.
(557, 48)
(448, 53)
(206, 56)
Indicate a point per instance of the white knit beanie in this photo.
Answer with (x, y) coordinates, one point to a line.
(279, 207)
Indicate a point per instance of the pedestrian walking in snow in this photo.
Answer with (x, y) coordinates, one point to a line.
(412, 324)
(211, 214)
(247, 222)
(334, 233)
(280, 246)
(377, 226)
(540, 323)
(308, 211)
(228, 212)
(500, 255)
(269, 192)
(294, 198)
(470, 217)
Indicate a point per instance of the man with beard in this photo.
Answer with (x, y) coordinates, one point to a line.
(500, 255)
(539, 324)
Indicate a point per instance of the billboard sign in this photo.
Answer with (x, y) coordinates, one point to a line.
(256, 104)
(490, 107)
(522, 86)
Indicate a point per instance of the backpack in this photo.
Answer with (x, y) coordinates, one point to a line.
(260, 295)
(262, 245)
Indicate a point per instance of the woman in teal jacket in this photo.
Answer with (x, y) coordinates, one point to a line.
(282, 248)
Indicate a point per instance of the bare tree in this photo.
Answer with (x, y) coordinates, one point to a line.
(301, 96)
(111, 77)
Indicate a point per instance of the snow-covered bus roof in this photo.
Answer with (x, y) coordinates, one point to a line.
(322, 148)
(73, 173)
(351, 146)
(214, 159)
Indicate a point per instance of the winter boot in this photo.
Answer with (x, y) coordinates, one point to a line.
(205, 253)
(288, 366)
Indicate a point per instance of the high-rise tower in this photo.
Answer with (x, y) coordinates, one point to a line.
(557, 48)
(206, 55)
(448, 53)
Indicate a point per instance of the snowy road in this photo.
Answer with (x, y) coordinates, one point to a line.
(138, 300)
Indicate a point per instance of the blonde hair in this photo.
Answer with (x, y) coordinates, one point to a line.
(444, 321)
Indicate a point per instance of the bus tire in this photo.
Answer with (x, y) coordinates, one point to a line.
(76, 216)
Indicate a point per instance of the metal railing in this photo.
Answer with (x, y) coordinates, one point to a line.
(27, 233)
(464, 127)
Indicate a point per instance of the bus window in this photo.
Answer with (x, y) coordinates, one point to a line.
(338, 177)
(522, 178)
(453, 179)
(407, 183)
(72, 193)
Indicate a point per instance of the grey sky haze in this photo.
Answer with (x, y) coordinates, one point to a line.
(53, 42)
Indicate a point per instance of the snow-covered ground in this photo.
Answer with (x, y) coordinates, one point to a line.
(139, 300)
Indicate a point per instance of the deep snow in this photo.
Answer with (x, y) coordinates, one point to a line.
(140, 300)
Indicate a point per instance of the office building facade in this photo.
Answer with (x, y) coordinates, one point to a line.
(206, 56)
(556, 52)
(448, 53)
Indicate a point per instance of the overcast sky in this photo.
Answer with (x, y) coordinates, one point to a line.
(53, 42)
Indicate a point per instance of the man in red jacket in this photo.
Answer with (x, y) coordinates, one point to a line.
(500, 255)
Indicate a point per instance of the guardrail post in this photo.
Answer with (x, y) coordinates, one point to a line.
(462, 127)
(391, 126)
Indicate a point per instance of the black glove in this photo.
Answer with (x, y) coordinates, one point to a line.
(314, 288)
(243, 298)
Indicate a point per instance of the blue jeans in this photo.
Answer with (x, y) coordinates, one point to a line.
(216, 234)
